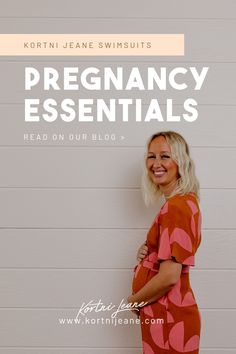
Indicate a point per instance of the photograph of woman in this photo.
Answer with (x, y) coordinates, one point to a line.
(170, 319)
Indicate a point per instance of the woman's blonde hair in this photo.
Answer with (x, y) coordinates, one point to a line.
(186, 183)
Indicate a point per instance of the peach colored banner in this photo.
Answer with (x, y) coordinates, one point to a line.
(91, 44)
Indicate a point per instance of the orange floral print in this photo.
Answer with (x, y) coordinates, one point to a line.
(175, 234)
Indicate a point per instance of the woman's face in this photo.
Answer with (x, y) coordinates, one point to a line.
(162, 169)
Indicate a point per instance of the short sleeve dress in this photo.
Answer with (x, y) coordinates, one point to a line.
(171, 324)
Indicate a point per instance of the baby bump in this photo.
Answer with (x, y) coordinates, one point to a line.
(142, 274)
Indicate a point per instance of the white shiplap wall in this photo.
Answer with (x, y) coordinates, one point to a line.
(70, 223)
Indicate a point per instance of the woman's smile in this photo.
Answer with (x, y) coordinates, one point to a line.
(162, 169)
(159, 173)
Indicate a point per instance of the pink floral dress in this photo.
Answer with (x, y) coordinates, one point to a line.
(175, 234)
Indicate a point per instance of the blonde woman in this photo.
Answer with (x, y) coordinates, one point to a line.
(170, 320)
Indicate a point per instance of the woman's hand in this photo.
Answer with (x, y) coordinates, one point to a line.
(142, 252)
(136, 312)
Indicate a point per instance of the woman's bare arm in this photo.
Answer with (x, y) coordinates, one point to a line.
(161, 283)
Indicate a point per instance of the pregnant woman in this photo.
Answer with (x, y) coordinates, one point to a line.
(170, 320)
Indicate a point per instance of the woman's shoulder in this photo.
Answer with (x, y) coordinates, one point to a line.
(178, 198)
(185, 202)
